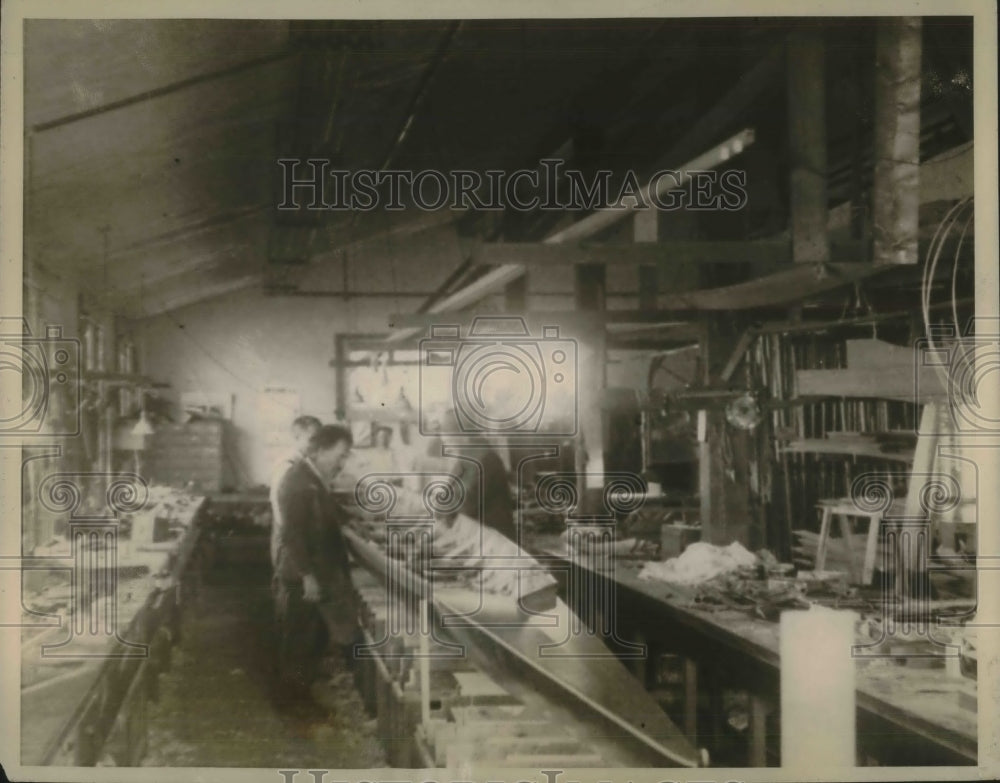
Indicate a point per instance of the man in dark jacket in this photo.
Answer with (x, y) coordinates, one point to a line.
(316, 603)
(487, 488)
(303, 428)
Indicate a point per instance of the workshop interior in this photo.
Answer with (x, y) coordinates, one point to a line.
(499, 393)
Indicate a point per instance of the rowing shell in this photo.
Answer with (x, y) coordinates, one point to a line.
(534, 653)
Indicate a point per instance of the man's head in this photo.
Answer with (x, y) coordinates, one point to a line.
(303, 428)
(328, 448)
(382, 437)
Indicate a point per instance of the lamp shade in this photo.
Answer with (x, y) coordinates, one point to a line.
(142, 427)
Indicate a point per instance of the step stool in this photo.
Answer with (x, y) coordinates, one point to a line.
(844, 509)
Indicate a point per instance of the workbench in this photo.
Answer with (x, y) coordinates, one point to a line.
(84, 703)
(907, 716)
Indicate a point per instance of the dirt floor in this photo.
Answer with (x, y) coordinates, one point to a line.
(215, 707)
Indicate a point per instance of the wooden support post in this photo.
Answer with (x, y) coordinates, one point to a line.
(807, 145)
(645, 229)
(340, 376)
(896, 186)
(592, 366)
(516, 296)
(425, 663)
(716, 708)
(922, 472)
(590, 287)
(691, 699)
(759, 709)
(643, 668)
(723, 469)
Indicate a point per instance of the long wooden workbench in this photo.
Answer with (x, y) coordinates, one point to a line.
(84, 703)
(906, 715)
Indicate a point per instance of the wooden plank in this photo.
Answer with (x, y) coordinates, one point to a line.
(737, 355)
(877, 355)
(668, 331)
(605, 218)
(489, 283)
(896, 185)
(654, 254)
(853, 447)
(949, 176)
(807, 145)
(894, 383)
(691, 699)
(923, 459)
(728, 108)
(659, 318)
(645, 228)
(778, 288)
(758, 731)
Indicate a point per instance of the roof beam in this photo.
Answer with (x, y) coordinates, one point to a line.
(806, 78)
(159, 92)
(670, 252)
(120, 284)
(195, 295)
(496, 279)
(618, 320)
(607, 217)
(189, 230)
(728, 108)
(417, 99)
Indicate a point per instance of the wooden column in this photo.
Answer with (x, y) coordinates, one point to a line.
(645, 229)
(759, 710)
(807, 145)
(896, 187)
(516, 296)
(340, 375)
(590, 297)
(724, 454)
(691, 699)
(590, 286)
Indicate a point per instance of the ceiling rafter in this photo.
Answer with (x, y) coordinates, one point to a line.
(158, 92)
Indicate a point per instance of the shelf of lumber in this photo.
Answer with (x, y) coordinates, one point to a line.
(878, 369)
(850, 445)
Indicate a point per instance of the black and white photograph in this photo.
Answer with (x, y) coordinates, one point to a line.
(448, 392)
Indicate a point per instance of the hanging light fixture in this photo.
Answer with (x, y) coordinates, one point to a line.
(143, 427)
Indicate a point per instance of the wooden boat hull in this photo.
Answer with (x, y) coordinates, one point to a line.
(537, 654)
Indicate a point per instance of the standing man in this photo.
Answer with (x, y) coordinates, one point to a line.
(316, 603)
(487, 488)
(382, 457)
(303, 428)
